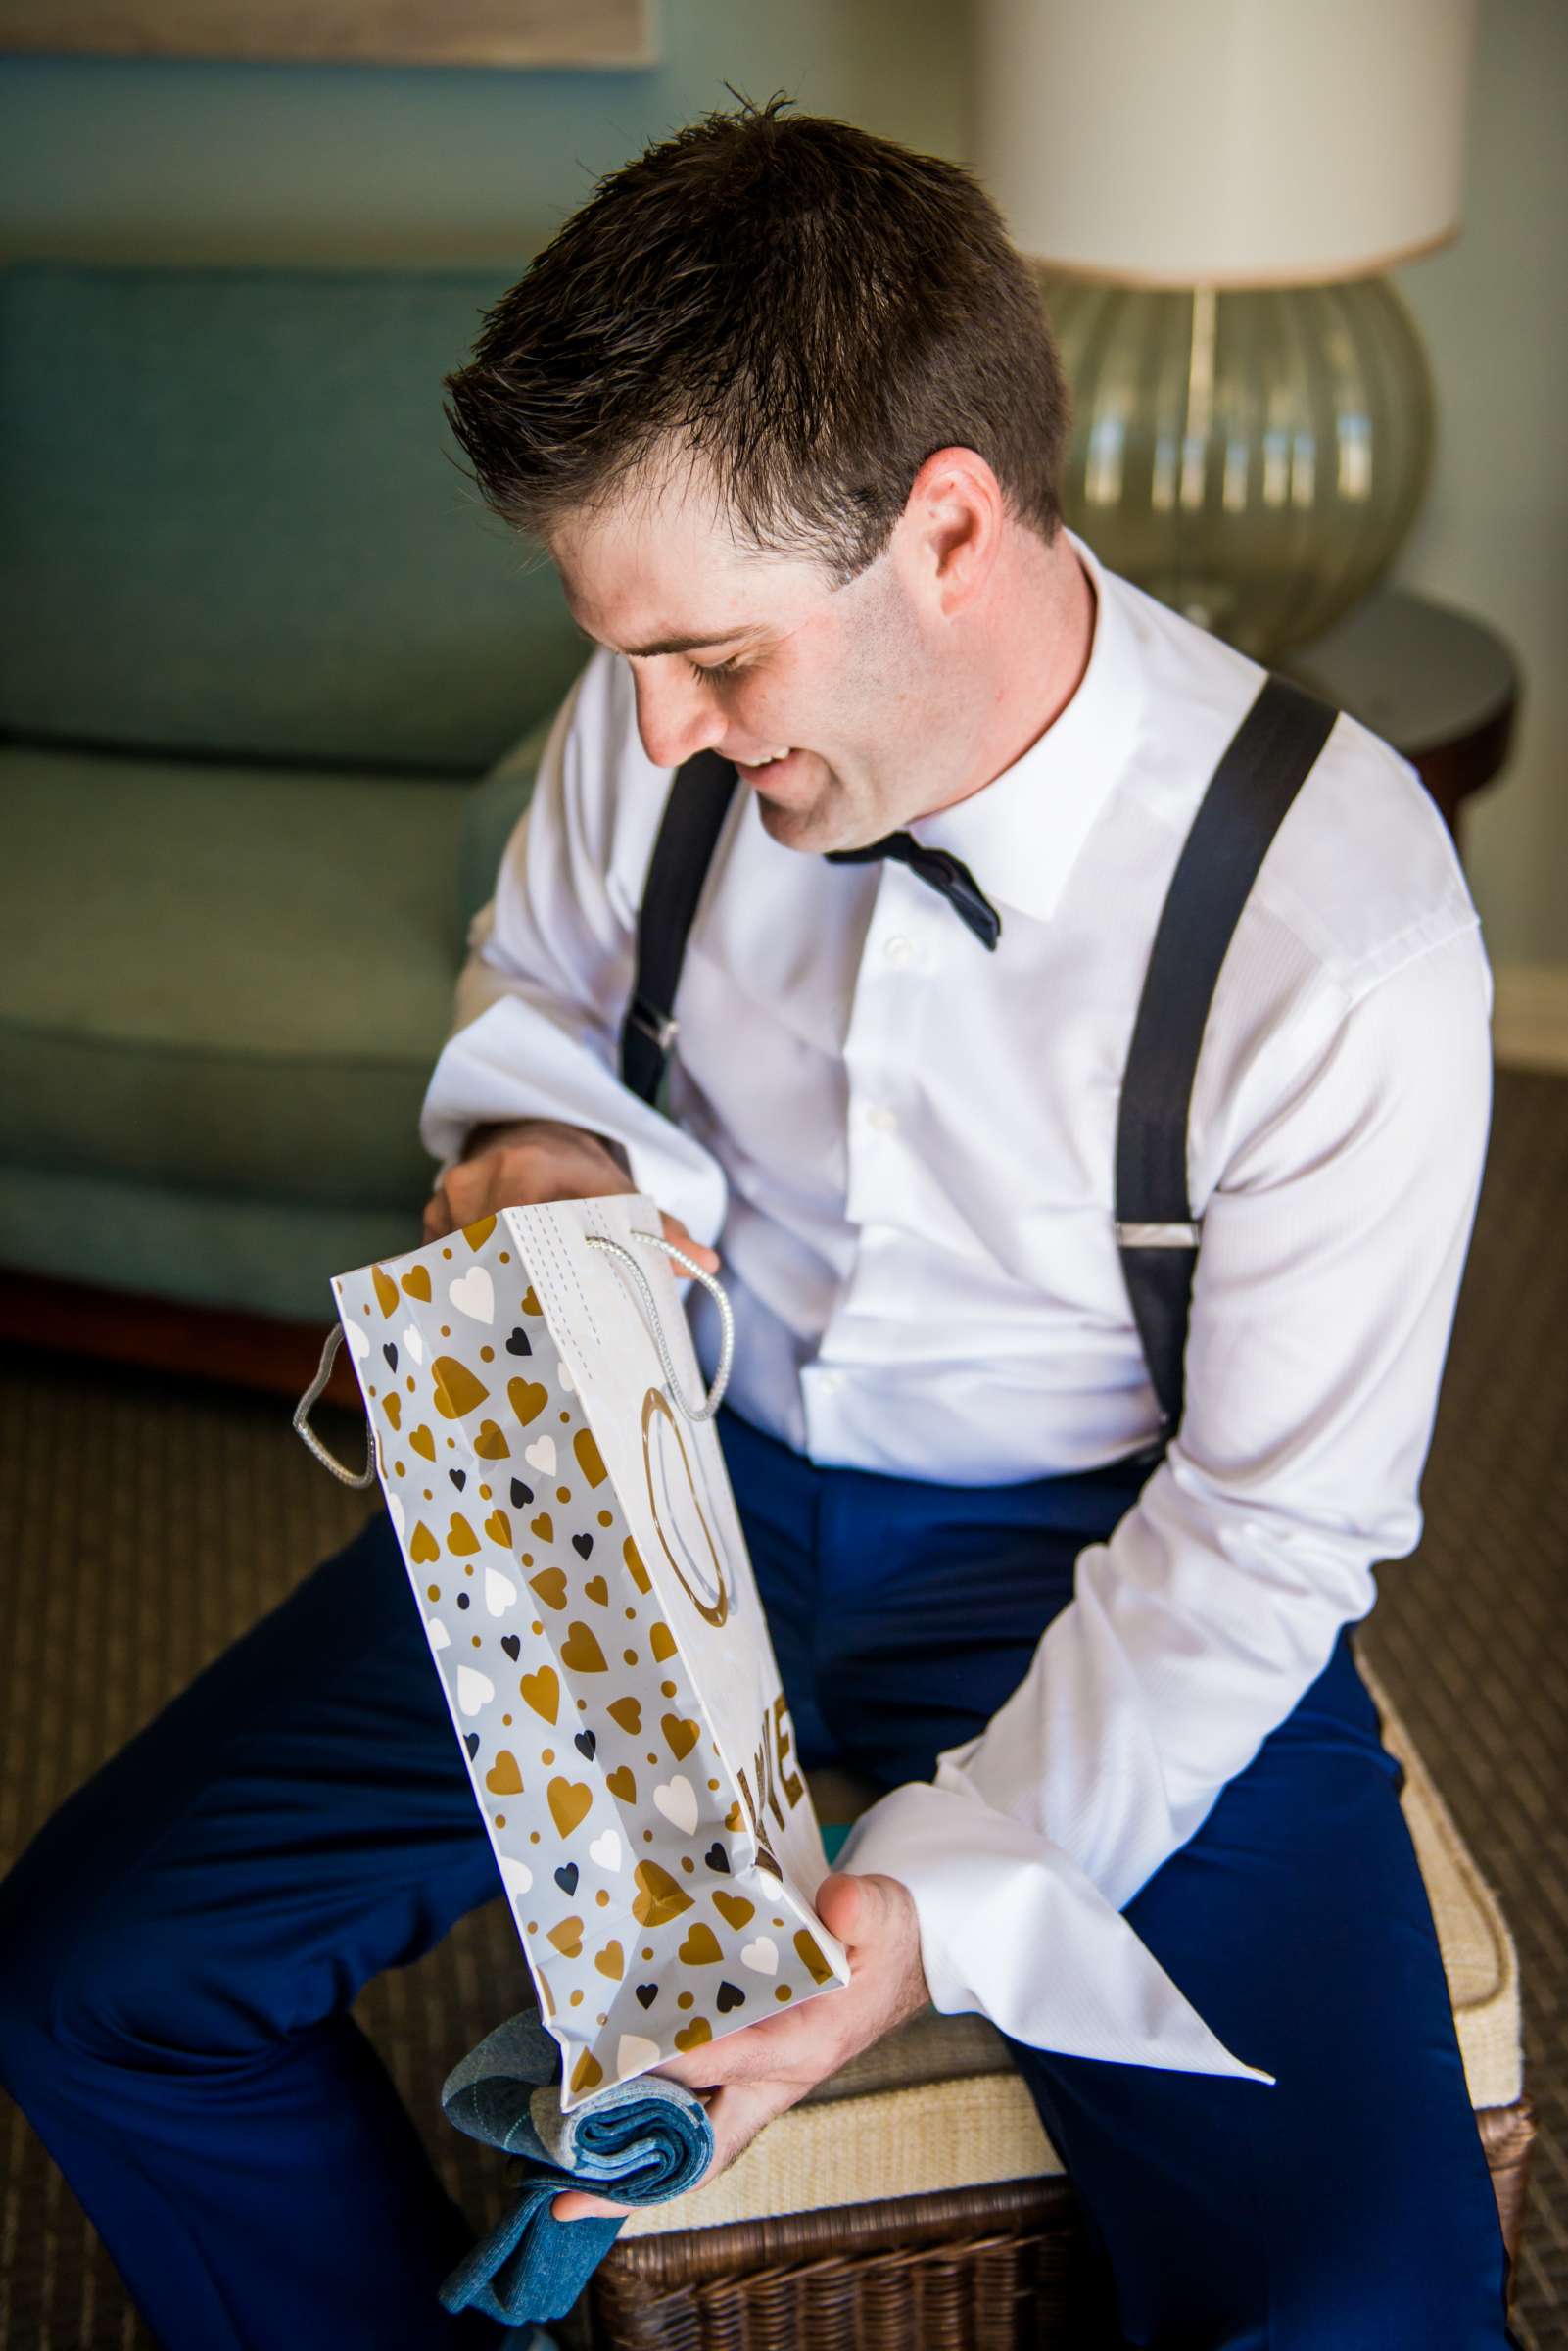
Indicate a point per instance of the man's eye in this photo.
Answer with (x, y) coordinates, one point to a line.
(719, 669)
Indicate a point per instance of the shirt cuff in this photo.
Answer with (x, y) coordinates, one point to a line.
(1011, 1926)
(515, 1063)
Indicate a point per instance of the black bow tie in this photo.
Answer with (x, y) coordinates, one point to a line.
(946, 876)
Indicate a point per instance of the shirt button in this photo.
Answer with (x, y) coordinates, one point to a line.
(898, 951)
(883, 1121)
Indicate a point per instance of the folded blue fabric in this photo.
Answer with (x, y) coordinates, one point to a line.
(640, 2142)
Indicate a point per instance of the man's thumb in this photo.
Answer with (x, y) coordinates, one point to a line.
(847, 1904)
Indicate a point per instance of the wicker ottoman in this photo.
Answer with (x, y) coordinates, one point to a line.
(915, 2199)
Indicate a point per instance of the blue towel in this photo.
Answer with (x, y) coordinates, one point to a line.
(640, 2142)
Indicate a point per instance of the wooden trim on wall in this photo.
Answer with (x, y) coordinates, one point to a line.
(384, 32)
(216, 1344)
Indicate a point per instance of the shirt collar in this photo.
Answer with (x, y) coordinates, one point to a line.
(1021, 833)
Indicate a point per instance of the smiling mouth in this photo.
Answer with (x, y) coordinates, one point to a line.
(754, 767)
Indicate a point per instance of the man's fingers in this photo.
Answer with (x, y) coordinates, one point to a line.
(739, 2112)
(795, 2050)
(577, 2205)
(676, 1231)
(748, 2077)
(465, 1195)
(736, 2114)
(751, 2054)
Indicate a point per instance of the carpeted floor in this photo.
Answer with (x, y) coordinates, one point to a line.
(185, 1511)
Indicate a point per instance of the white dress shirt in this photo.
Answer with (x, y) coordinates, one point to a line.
(903, 1148)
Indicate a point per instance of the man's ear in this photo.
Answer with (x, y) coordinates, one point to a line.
(954, 518)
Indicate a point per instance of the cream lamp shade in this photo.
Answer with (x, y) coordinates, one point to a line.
(1208, 192)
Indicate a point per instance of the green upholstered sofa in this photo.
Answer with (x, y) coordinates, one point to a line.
(261, 648)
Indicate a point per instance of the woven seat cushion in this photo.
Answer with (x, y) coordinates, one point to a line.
(938, 2105)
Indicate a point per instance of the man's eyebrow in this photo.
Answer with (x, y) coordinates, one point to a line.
(675, 645)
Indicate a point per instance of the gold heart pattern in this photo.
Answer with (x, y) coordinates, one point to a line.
(528, 1398)
(570, 1802)
(647, 1927)
(542, 1691)
(551, 1585)
(457, 1389)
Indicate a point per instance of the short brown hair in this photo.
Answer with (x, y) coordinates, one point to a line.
(808, 309)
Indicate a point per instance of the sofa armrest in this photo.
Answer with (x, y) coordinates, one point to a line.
(491, 809)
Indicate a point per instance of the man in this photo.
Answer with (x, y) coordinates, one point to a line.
(780, 405)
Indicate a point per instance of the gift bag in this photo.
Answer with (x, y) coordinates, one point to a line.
(549, 1466)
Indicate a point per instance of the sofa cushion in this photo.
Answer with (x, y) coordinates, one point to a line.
(231, 980)
(236, 520)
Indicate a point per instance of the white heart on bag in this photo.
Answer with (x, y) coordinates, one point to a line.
(761, 1956)
(564, 1375)
(474, 1295)
(395, 1512)
(359, 1341)
(500, 1592)
(633, 2054)
(474, 1689)
(677, 1800)
(541, 1455)
(414, 1344)
(440, 1638)
(515, 1876)
(606, 1850)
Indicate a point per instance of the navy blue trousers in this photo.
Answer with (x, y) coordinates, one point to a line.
(181, 1944)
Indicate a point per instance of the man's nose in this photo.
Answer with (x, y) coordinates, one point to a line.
(677, 714)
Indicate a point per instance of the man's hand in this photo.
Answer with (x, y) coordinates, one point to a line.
(532, 1160)
(755, 2074)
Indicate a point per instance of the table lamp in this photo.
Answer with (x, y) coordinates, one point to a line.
(1209, 193)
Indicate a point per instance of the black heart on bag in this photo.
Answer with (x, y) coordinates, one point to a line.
(646, 1994)
(582, 1545)
(472, 1742)
(460, 1478)
(391, 1354)
(728, 1996)
(566, 1877)
(717, 1858)
(517, 1344)
(585, 1744)
(511, 1645)
(522, 1494)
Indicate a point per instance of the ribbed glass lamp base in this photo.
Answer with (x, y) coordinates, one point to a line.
(1253, 459)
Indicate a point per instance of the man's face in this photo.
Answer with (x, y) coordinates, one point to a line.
(751, 655)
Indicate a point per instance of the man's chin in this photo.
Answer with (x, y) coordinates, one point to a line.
(793, 828)
(797, 821)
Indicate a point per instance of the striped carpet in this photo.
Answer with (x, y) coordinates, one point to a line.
(181, 1512)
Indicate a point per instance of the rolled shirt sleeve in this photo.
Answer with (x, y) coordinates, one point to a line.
(542, 997)
(1332, 1248)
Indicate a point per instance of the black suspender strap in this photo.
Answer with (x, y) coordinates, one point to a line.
(688, 831)
(1262, 770)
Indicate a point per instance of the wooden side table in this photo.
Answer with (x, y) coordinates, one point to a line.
(1442, 687)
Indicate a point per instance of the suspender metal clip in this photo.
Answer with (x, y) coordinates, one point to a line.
(1157, 1236)
(660, 1027)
